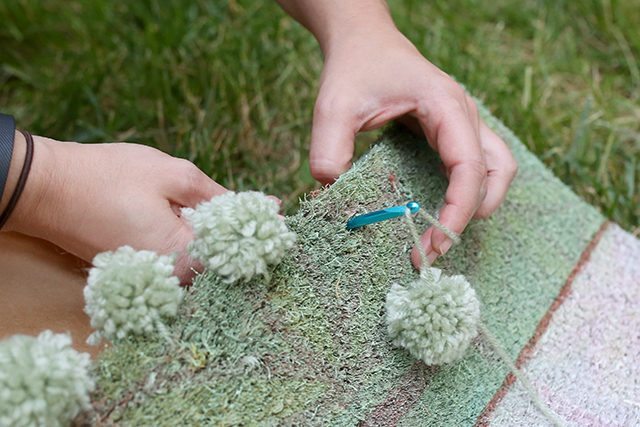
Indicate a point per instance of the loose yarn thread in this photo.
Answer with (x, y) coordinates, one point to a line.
(521, 376)
(483, 329)
(455, 238)
(424, 261)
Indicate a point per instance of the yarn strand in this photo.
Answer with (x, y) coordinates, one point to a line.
(490, 338)
(521, 376)
(416, 237)
(437, 224)
(424, 261)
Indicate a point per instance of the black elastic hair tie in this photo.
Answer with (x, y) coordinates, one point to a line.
(22, 180)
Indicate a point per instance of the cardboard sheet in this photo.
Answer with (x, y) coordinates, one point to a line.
(41, 288)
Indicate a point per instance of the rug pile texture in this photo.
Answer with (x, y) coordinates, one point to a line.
(558, 284)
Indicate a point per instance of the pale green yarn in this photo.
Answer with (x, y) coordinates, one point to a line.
(434, 318)
(43, 381)
(131, 292)
(437, 224)
(428, 277)
(238, 235)
(522, 377)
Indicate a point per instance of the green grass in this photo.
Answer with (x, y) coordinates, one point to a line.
(231, 84)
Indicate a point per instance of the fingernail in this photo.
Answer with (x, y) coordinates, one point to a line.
(431, 257)
(444, 246)
(275, 199)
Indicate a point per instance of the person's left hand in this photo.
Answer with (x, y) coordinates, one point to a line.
(91, 198)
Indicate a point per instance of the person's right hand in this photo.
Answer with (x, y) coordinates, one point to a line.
(89, 198)
(373, 74)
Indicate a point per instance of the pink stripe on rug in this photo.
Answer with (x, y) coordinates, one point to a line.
(528, 349)
(586, 365)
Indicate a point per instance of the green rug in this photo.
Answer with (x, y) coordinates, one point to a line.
(310, 346)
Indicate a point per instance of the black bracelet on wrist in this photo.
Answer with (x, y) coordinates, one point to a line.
(7, 134)
(22, 179)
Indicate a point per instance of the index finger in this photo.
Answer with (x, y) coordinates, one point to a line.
(456, 139)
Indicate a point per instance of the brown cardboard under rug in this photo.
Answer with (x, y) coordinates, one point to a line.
(41, 288)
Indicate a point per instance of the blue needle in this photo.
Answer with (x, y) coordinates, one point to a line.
(384, 214)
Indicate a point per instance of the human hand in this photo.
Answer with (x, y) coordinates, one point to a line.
(373, 74)
(89, 198)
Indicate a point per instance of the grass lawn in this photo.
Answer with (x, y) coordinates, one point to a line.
(231, 84)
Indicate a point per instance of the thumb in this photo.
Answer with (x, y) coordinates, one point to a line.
(177, 244)
(186, 268)
(332, 142)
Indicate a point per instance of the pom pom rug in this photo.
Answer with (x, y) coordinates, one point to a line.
(43, 381)
(238, 235)
(551, 275)
(130, 292)
(434, 317)
(557, 284)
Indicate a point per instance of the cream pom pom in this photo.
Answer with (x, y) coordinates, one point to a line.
(434, 318)
(43, 381)
(130, 292)
(238, 235)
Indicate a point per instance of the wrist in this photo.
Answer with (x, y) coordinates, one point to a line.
(32, 214)
(333, 23)
(383, 39)
(369, 32)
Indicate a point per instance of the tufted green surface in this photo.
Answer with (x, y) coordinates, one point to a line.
(310, 346)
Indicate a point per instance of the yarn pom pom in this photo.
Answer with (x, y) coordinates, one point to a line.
(130, 292)
(238, 235)
(434, 318)
(43, 381)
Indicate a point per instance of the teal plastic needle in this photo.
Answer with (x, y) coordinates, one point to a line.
(377, 216)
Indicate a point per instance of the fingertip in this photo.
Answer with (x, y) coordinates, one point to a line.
(415, 258)
(275, 199)
(327, 171)
(332, 141)
(425, 241)
(454, 219)
(440, 242)
(186, 269)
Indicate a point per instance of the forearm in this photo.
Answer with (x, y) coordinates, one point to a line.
(332, 20)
